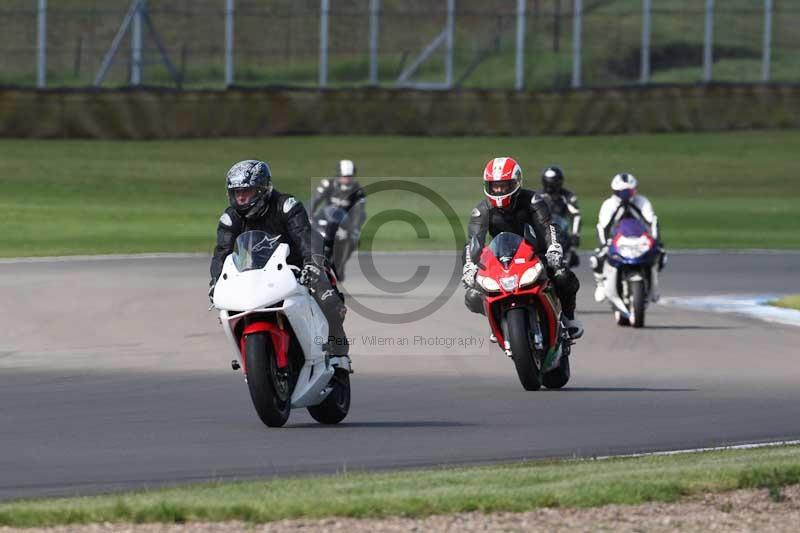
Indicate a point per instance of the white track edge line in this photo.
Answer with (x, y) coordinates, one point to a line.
(750, 446)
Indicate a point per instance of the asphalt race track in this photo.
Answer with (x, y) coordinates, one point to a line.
(113, 375)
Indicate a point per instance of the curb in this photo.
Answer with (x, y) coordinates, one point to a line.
(753, 306)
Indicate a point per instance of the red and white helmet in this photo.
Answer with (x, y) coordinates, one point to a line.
(502, 180)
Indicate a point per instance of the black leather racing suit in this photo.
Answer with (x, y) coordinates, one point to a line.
(349, 197)
(527, 208)
(284, 216)
(565, 204)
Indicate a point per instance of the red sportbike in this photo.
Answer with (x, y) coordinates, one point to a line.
(523, 309)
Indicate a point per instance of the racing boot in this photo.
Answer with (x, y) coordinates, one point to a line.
(600, 289)
(595, 261)
(574, 327)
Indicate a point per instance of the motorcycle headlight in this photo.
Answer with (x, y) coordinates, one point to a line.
(531, 275)
(631, 248)
(509, 283)
(488, 284)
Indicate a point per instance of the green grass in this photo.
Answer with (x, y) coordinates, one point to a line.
(790, 302)
(513, 488)
(737, 190)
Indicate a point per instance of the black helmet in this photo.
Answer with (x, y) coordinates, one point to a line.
(552, 179)
(250, 174)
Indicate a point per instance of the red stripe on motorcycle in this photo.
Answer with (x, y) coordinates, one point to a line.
(280, 340)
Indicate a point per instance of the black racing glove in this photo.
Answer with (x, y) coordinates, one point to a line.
(310, 275)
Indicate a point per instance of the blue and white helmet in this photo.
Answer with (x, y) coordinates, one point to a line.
(624, 186)
(250, 174)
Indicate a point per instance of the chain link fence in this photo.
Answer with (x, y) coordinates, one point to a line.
(493, 44)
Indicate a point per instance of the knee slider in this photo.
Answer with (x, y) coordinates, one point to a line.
(473, 299)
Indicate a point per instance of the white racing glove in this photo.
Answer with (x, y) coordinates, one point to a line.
(468, 275)
(555, 256)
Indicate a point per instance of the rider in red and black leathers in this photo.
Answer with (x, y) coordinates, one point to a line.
(516, 209)
(279, 215)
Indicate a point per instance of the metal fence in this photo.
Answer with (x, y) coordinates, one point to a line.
(520, 44)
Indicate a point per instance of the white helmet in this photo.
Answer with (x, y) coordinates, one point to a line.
(624, 185)
(346, 169)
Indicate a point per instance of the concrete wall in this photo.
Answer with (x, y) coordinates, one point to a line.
(153, 114)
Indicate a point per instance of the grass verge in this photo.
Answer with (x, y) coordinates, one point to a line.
(513, 488)
(61, 197)
(790, 302)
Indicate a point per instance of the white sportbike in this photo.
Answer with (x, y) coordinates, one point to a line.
(276, 329)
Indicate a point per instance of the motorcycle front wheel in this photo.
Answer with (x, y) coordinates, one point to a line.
(559, 376)
(637, 303)
(270, 387)
(519, 337)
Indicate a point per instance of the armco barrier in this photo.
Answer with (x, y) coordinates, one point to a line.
(155, 113)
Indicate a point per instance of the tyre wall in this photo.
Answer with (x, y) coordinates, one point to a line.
(158, 113)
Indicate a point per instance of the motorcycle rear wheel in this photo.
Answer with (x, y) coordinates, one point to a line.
(335, 407)
(559, 376)
(519, 337)
(270, 388)
(341, 253)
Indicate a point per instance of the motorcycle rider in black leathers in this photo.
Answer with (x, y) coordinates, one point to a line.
(345, 192)
(256, 205)
(563, 203)
(509, 207)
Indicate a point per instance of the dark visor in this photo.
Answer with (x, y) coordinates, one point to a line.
(625, 194)
(500, 188)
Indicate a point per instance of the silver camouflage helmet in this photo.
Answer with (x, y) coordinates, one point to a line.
(345, 173)
(250, 174)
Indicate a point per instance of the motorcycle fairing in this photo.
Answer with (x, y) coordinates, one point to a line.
(540, 295)
(244, 291)
(275, 290)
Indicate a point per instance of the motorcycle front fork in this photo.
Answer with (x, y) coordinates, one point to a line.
(536, 331)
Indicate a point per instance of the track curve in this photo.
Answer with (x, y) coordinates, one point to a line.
(114, 376)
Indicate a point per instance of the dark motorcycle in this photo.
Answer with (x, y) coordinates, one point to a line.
(566, 240)
(331, 223)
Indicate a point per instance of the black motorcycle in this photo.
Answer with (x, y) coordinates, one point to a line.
(566, 241)
(331, 223)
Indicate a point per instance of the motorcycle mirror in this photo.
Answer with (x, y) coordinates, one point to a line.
(475, 249)
(529, 235)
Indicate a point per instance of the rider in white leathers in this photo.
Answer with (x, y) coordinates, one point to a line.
(623, 203)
